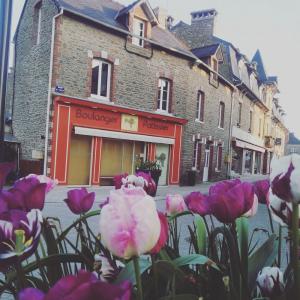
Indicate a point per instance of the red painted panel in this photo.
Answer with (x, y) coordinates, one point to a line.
(95, 118)
(156, 127)
(60, 151)
(96, 161)
(175, 157)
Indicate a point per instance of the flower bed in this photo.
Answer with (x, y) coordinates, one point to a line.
(135, 254)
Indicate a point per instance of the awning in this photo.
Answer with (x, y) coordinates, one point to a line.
(123, 135)
(246, 145)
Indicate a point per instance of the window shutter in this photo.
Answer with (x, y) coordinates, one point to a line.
(199, 156)
(222, 114)
(202, 107)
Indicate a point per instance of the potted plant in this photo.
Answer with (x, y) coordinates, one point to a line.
(191, 177)
(150, 166)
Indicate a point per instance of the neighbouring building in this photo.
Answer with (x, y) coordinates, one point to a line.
(100, 86)
(293, 145)
(252, 117)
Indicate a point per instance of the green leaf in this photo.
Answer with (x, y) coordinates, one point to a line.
(200, 234)
(128, 272)
(84, 217)
(181, 297)
(54, 271)
(194, 259)
(185, 213)
(264, 256)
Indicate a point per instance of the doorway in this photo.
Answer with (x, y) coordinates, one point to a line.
(118, 157)
(206, 165)
(162, 157)
(80, 160)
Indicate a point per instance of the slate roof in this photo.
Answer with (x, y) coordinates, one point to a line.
(262, 74)
(206, 51)
(293, 140)
(105, 11)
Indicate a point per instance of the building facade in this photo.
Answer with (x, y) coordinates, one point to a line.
(100, 87)
(253, 132)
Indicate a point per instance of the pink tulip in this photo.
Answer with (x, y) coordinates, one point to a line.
(118, 180)
(175, 204)
(164, 234)
(198, 203)
(129, 223)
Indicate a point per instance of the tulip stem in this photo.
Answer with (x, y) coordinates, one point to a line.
(138, 277)
(155, 277)
(295, 247)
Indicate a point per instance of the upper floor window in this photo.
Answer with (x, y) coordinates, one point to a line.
(101, 78)
(37, 22)
(260, 127)
(139, 31)
(163, 94)
(221, 115)
(240, 114)
(200, 107)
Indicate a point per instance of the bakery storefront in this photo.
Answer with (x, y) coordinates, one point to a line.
(93, 142)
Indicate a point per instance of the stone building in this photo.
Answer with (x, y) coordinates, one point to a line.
(100, 87)
(252, 108)
(293, 145)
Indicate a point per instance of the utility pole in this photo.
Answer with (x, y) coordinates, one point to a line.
(5, 28)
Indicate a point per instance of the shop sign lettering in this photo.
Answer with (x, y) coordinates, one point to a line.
(154, 125)
(95, 116)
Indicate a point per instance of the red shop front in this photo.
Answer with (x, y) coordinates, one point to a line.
(93, 142)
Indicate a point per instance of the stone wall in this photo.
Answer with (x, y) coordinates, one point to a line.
(32, 79)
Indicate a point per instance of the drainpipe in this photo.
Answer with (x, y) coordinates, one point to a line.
(49, 91)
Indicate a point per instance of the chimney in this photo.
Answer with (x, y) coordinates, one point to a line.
(162, 16)
(204, 21)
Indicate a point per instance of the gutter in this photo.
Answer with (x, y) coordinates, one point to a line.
(49, 91)
(191, 56)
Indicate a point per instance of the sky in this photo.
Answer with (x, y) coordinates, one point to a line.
(268, 25)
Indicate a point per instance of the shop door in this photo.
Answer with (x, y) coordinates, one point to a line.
(80, 160)
(162, 156)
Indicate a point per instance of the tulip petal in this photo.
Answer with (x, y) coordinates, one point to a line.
(87, 202)
(164, 233)
(30, 294)
(198, 203)
(36, 197)
(5, 169)
(261, 189)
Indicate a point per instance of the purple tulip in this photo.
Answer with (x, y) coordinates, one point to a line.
(51, 183)
(84, 286)
(5, 169)
(19, 235)
(80, 201)
(150, 185)
(118, 180)
(261, 189)
(26, 194)
(270, 281)
(198, 203)
(229, 200)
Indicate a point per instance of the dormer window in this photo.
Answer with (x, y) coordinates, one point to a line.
(139, 32)
(215, 67)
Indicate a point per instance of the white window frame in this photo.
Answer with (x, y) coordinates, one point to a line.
(138, 31)
(221, 104)
(39, 24)
(159, 109)
(99, 63)
(200, 98)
